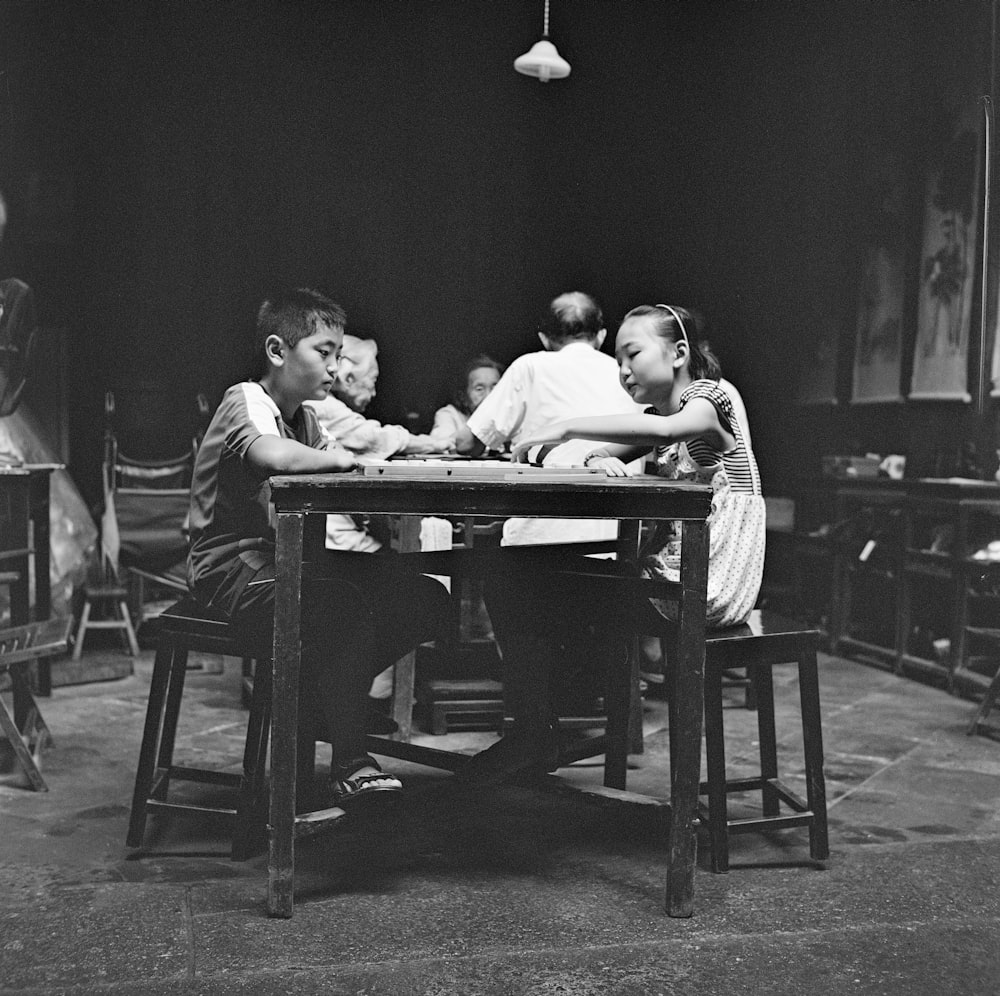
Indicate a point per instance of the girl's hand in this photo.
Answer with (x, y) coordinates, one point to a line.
(611, 466)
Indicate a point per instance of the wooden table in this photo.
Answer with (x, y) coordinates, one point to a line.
(302, 501)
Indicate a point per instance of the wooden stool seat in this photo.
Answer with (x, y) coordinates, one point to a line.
(764, 641)
(115, 598)
(184, 627)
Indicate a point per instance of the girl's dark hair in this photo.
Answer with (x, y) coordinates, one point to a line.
(460, 399)
(677, 324)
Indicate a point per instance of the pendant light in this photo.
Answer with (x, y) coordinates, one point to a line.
(543, 60)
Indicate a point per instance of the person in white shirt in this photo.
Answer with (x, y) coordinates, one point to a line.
(569, 378)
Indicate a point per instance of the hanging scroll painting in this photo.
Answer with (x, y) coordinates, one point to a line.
(818, 376)
(995, 367)
(878, 341)
(947, 268)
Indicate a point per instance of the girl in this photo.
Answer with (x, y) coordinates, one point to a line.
(696, 424)
(479, 376)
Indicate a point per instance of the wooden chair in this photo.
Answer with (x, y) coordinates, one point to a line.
(26, 730)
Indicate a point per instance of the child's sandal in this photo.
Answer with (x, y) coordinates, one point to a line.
(352, 789)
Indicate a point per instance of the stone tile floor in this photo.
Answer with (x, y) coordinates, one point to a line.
(516, 889)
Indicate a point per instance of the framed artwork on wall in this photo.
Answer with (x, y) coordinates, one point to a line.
(947, 267)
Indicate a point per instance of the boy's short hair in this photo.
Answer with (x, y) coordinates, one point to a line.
(294, 314)
(573, 315)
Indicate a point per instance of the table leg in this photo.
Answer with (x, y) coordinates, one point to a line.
(284, 714)
(687, 713)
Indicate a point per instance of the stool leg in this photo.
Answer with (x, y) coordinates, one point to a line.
(81, 630)
(251, 805)
(715, 757)
(175, 689)
(403, 677)
(812, 736)
(133, 643)
(768, 738)
(150, 742)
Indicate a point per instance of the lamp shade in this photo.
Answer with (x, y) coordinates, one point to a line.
(543, 61)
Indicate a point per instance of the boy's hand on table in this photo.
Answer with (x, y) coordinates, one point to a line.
(343, 458)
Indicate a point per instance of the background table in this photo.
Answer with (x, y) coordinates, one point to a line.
(24, 546)
(302, 501)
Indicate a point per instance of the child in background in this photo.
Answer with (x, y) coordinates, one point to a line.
(355, 621)
(697, 433)
(479, 376)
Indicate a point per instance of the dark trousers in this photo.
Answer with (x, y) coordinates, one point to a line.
(554, 630)
(356, 622)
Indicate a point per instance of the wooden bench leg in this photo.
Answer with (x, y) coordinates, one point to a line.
(812, 735)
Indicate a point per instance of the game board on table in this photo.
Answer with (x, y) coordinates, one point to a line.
(492, 469)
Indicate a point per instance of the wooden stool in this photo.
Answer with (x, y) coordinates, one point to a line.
(765, 641)
(185, 627)
(116, 598)
(474, 703)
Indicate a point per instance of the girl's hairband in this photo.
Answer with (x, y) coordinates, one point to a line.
(680, 321)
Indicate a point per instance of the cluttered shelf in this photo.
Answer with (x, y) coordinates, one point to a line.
(902, 574)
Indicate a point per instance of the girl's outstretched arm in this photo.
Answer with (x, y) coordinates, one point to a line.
(698, 418)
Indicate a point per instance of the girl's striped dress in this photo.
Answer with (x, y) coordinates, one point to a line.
(737, 520)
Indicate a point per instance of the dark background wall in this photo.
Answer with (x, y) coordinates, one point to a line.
(165, 162)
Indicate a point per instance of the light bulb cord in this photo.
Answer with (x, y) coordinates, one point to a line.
(545, 21)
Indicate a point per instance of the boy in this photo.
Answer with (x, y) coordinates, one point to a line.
(354, 622)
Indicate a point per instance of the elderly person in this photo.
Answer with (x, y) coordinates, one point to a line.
(341, 413)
